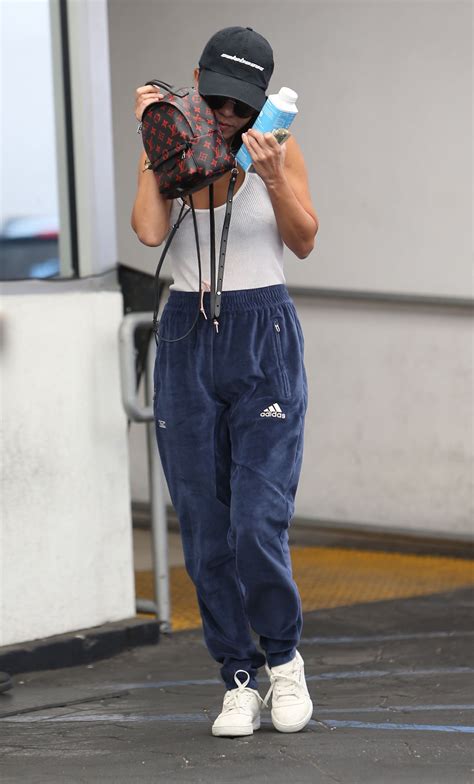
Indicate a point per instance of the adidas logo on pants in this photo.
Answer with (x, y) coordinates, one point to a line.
(273, 411)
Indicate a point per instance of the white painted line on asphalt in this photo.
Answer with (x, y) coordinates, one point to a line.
(384, 637)
(397, 709)
(399, 727)
(192, 718)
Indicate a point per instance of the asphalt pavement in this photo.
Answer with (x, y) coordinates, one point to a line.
(391, 681)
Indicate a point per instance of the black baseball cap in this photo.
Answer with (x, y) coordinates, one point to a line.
(237, 62)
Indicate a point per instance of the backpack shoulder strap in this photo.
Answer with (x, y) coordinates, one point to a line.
(173, 231)
(216, 286)
(212, 242)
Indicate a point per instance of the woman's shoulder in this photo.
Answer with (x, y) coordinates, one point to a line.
(297, 176)
(294, 154)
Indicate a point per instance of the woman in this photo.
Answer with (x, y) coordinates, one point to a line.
(230, 404)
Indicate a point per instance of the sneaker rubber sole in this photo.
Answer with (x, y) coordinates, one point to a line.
(293, 727)
(236, 732)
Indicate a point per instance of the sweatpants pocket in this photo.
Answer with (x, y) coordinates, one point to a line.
(157, 370)
(277, 342)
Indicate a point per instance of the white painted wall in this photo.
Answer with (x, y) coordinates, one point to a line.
(385, 97)
(389, 432)
(65, 527)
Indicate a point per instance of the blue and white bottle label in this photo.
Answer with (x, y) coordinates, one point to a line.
(269, 118)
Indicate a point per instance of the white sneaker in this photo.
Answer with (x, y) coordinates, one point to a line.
(240, 711)
(291, 704)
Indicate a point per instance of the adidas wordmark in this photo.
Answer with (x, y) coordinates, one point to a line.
(273, 411)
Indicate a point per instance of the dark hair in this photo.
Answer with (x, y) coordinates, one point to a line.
(236, 141)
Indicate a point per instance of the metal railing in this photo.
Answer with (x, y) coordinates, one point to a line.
(137, 413)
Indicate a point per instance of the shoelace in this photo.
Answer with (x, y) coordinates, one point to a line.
(239, 697)
(284, 686)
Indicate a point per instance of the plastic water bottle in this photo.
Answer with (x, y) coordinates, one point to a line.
(279, 111)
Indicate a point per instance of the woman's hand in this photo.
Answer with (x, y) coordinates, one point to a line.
(144, 96)
(268, 157)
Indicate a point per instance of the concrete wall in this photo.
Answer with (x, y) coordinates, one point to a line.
(389, 433)
(389, 427)
(385, 96)
(65, 527)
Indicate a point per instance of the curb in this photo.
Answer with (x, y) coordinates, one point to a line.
(79, 647)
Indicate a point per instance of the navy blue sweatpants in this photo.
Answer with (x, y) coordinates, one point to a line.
(229, 412)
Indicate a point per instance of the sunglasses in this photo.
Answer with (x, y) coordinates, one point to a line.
(240, 109)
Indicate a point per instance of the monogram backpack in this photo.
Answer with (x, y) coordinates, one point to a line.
(187, 151)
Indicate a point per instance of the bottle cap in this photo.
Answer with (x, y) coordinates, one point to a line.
(288, 95)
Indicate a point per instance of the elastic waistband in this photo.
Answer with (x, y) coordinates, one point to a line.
(232, 301)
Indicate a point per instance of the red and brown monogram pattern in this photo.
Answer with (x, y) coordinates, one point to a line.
(184, 144)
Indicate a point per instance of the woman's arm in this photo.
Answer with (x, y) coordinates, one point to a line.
(283, 170)
(151, 211)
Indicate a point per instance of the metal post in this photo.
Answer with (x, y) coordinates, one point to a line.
(159, 528)
(135, 411)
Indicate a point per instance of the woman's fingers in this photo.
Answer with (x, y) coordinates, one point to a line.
(144, 96)
(267, 155)
(141, 105)
(148, 88)
(263, 140)
(262, 144)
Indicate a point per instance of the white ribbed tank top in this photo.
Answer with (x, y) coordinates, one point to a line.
(254, 254)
